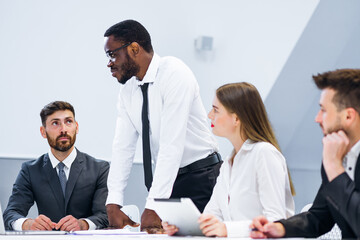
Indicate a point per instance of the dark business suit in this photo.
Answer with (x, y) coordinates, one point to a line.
(336, 202)
(38, 181)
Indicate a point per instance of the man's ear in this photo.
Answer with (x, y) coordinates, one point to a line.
(350, 115)
(77, 127)
(134, 49)
(43, 132)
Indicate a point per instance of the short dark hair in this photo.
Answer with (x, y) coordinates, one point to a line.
(54, 107)
(129, 31)
(346, 83)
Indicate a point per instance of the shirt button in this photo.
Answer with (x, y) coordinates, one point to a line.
(350, 168)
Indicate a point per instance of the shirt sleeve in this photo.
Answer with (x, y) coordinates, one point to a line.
(213, 206)
(21, 199)
(124, 146)
(271, 178)
(92, 225)
(17, 224)
(342, 193)
(178, 92)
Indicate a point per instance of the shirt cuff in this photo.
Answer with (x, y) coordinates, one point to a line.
(238, 229)
(92, 225)
(114, 198)
(149, 204)
(17, 224)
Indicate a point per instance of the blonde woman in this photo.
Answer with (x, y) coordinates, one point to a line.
(254, 180)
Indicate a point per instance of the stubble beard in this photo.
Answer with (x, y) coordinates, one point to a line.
(337, 127)
(60, 145)
(130, 69)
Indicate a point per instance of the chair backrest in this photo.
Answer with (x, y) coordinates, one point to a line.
(132, 211)
(306, 207)
(2, 226)
(334, 233)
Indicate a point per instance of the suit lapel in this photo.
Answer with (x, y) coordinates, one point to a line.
(54, 182)
(357, 173)
(75, 171)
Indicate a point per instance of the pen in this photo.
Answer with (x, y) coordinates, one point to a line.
(254, 229)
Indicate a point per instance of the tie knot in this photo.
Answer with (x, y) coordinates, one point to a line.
(144, 87)
(61, 166)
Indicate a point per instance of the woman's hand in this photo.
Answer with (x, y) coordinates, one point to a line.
(212, 226)
(169, 229)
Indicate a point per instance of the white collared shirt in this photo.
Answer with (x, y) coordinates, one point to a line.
(67, 162)
(350, 160)
(256, 184)
(17, 224)
(179, 134)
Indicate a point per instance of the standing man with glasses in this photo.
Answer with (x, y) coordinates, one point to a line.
(159, 100)
(68, 186)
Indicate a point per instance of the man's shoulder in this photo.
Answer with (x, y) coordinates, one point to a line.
(173, 63)
(170, 59)
(90, 159)
(174, 72)
(36, 162)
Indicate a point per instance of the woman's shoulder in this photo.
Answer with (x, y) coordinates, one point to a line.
(266, 149)
(265, 146)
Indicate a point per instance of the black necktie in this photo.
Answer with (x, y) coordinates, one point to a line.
(62, 176)
(146, 138)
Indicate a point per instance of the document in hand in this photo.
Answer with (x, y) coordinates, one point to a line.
(179, 212)
(108, 232)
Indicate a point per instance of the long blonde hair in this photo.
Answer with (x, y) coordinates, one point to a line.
(244, 100)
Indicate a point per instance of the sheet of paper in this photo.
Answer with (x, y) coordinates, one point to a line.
(108, 232)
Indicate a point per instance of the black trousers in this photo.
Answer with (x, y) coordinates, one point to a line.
(197, 185)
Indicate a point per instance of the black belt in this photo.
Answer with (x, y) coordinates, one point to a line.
(205, 162)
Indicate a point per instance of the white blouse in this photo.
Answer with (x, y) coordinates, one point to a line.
(256, 184)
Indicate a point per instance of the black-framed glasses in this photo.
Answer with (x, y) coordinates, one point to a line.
(111, 54)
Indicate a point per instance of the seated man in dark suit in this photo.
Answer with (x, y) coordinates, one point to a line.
(68, 186)
(338, 199)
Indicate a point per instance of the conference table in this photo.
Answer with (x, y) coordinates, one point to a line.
(107, 237)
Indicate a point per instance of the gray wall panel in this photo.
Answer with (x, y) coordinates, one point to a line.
(330, 41)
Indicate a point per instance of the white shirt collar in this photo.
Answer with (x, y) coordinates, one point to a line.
(350, 160)
(247, 146)
(151, 71)
(67, 161)
(354, 151)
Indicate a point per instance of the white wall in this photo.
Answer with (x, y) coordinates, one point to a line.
(53, 50)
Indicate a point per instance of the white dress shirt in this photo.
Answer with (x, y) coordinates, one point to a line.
(17, 225)
(350, 160)
(257, 183)
(179, 134)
